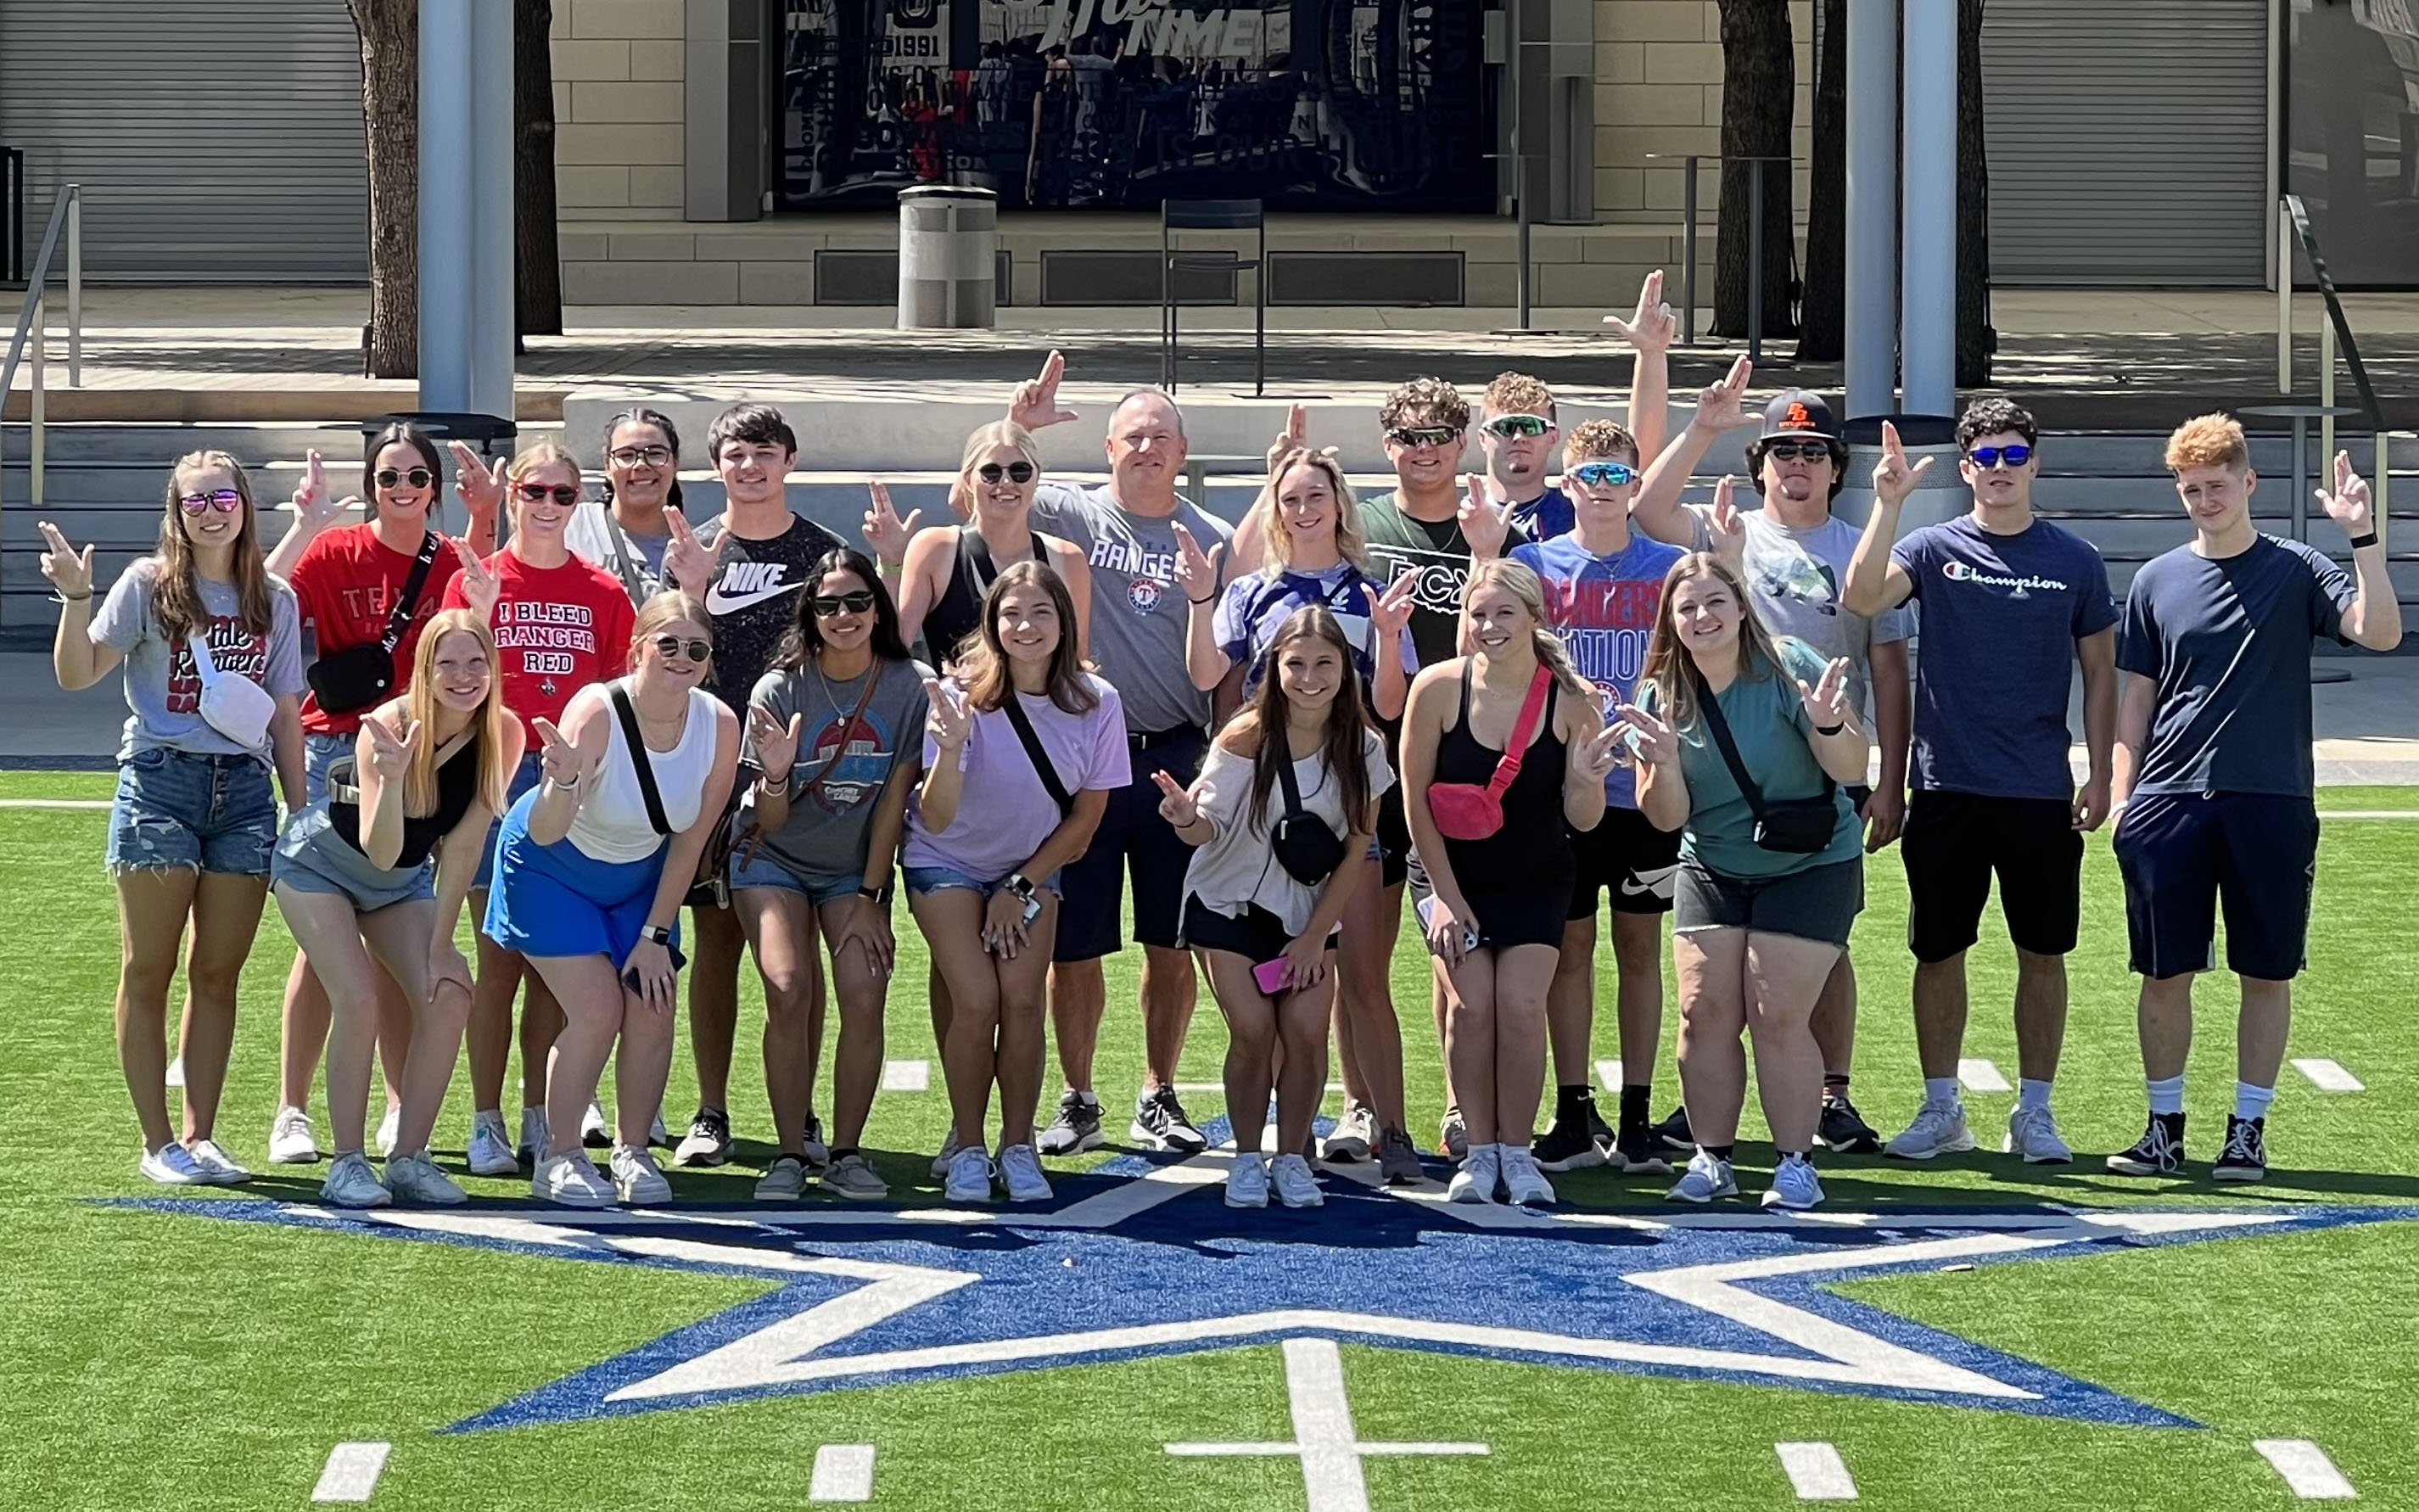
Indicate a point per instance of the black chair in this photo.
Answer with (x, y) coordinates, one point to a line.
(1212, 215)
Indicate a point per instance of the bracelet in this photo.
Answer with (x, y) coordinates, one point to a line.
(1830, 729)
(2359, 541)
(765, 783)
(78, 598)
(570, 786)
(1190, 600)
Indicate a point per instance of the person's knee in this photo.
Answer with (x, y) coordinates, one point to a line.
(1253, 1036)
(790, 995)
(1638, 943)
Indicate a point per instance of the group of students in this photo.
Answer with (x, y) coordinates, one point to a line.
(1503, 696)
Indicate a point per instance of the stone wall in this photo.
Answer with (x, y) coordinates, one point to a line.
(618, 66)
(1658, 90)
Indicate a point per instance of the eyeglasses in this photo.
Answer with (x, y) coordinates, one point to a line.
(830, 607)
(417, 477)
(1991, 456)
(641, 456)
(1416, 436)
(1508, 426)
(538, 493)
(673, 646)
(1603, 475)
(1816, 450)
(1014, 472)
(225, 500)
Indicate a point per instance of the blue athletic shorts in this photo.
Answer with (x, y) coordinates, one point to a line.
(556, 899)
(525, 777)
(2184, 855)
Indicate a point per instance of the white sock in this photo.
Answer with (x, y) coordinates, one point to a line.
(1940, 1090)
(2032, 1096)
(2167, 1095)
(2252, 1102)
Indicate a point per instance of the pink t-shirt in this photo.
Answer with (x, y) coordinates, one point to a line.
(1004, 812)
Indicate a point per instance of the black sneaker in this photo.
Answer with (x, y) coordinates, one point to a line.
(1076, 1129)
(1639, 1151)
(1843, 1131)
(1675, 1133)
(1159, 1124)
(1598, 1129)
(2160, 1151)
(1453, 1137)
(1568, 1146)
(2245, 1155)
(1399, 1160)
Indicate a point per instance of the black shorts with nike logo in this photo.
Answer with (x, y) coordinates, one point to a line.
(1629, 859)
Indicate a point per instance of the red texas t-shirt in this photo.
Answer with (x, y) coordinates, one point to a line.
(344, 583)
(558, 630)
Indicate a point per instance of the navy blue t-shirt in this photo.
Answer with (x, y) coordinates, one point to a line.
(2227, 640)
(2001, 616)
(1545, 516)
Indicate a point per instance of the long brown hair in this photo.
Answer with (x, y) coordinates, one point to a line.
(1341, 746)
(1669, 664)
(1522, 584)
(176, 590)
(491, 720)
(983, 662)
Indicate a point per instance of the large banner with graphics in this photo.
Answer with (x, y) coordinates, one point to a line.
(1348, 105)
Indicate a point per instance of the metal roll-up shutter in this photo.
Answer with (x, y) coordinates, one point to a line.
(2127, 140)
(215, 142)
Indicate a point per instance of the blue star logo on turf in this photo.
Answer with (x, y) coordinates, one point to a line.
(1140, 1258)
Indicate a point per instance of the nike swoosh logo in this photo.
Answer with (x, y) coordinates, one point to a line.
(1659, 880)
(717, 602)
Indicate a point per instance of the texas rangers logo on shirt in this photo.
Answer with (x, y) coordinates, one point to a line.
(1145, 594)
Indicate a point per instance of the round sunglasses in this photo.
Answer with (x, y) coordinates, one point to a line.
(225, 500)
(673, 646)
(992, 473)
(417, 477)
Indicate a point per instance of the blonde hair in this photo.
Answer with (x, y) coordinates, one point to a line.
(177, 588)
(2208, 441)
(671, 606)
(1518, 394)
(997, 433)
(531, 459)
(1348, 515)
(1592, 441)
(491, 721)
(1668, 666)
(1524, 584)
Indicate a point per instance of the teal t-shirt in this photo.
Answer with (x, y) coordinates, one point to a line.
(1769, 723)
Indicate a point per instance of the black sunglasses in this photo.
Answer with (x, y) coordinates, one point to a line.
(673, 646)
(1423, 435)
(1798, 451)
(538, 493)
(417, 477)
(1015, 473)
(1991, 456)
(829, 606)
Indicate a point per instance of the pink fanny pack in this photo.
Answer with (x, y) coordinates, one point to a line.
(1465, 811)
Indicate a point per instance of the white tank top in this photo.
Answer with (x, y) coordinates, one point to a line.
(611, 822)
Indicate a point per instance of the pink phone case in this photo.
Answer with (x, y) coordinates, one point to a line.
(1270, 975)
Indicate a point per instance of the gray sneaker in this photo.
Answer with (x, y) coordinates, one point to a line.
(784, 1180)
(1076, 1129)
(415, 1179)
(1354, 1137)
(1399, 1159)
(853, 1177)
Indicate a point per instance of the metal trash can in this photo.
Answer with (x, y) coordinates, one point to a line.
(948, 246)
(1941, 496)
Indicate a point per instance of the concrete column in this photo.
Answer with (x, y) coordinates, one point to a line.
(448, 216)
(490, 172)
(724, 174)
(1872, 207)
(1927, 214)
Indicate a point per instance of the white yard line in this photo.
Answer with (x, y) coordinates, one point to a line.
(55, 803)
(2327, 1076)
(906, 1075)
(2306, 1468)
(352, 1472)
(1816, 1472)
(843, 1472)
(1981, 1077)
(1609, 1073)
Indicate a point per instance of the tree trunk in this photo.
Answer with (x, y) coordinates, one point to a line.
(1759, 101)
(1975, 340)
(537, 269)
(1823, 317)
(389, 34)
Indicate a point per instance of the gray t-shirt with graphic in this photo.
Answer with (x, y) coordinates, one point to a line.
(1794, 577)
(164, 686)
(1138, 608)
(823, 841)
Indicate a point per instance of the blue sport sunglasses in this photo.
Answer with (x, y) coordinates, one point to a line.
(1603, 475)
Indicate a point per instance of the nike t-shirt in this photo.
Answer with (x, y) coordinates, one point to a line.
(753, 598)
(556, 629)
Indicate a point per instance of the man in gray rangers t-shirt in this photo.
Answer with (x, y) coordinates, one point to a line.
(1128, 531)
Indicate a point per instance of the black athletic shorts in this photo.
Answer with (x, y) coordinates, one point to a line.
(1955, 841)
(2184, 854)
(1255, 935)
(1133, 840)
(1626, 858)
(1394, 837)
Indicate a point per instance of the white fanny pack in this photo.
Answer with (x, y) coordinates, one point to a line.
(236, 707)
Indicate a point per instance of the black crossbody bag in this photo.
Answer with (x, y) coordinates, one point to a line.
(359, 676)
(1033, 751)
(1794, 826)
(645, 769)
(1304, 844)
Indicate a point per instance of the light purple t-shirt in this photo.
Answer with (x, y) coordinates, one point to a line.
(1004, 812)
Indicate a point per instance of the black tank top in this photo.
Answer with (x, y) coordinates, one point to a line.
(958, 613)
(457, 783)
(1533, 847)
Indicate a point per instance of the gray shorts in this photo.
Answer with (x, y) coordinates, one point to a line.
(1819, 904)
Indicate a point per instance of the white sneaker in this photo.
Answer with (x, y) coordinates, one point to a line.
(489, 1154)
(1708, 1176)
(658, 1137)
(594, 1131)
(532, 1144)
(415, 1179)
(639, 1179)
(390, 1129)
(1524, 1184)
(290, 1141)
(1480, 1173)
(1296, 1186)
(351, 1184)
(949, 1153)
(1355, 1135)
(1939, 1129)
(1020, 1171)
(571, 1181)
(173, 1165)
(708, 1140)
(2032, 1133)
(969, 1176)
(1247, 1181)
(1795, 1185)
(216, 1168)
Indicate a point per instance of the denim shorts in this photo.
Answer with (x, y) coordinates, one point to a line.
(762, 871)
(177, 811)
(940, 878)
(525, 777)
(313, 858)
(319, 752)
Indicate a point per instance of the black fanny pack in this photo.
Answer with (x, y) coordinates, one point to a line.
(359, 676)
(1794, 826)
(1304, 844)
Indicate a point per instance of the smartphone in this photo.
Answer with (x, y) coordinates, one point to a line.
(630, 979)
(1032, 908)
(1270, 976)
(1422, 908)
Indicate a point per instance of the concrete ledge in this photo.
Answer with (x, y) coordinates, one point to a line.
(333, 401)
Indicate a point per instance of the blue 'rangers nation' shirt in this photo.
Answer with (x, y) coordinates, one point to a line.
(1604, 607)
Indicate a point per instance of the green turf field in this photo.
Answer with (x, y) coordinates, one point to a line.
(169, 1359)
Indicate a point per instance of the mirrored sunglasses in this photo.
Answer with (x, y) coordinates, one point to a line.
(417, 477)
(673, 646)
(1603, 475)
(1508, 426)
(225, 500)
(1991, 456)
(1423, 435)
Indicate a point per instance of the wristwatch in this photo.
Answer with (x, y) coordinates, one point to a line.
(879, 897)
(1021, 884)
(2367, 538)
(657, 933)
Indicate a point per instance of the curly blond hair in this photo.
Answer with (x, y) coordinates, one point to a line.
(1518, 394)
(1593, 441)
(2208, 441)
(1425, 401)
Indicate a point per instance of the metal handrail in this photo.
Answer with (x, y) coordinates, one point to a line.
(67, 216)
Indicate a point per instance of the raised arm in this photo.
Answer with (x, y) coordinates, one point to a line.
(1591, 744)
(76, 658)
(1833, 734)
(2375, 618)
(313, 512)
(949, 723)
(1875, 582)
(1657, 510)
(1649, 334)
(1197, 574)
(570, 757)
(1662, 788)
(382, 753)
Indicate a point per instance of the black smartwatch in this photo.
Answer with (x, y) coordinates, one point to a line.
(879, 897)
(2359, 541)
(1021, 884)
